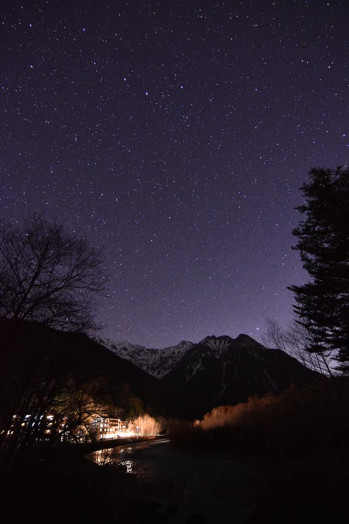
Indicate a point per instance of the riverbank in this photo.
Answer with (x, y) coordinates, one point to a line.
(73, 490)
(84, 448)
(171, 487)
(67, 490)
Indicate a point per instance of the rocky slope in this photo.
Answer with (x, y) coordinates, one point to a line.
(222, 370)
(156, 362)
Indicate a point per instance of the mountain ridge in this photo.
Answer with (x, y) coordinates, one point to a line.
(160, 361)
(226, 371)
(219, 369)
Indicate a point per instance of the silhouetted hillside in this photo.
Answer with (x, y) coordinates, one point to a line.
(41, 352)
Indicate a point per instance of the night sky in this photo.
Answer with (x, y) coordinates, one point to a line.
(176, 134)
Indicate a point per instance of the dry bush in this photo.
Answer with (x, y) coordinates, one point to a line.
(296, 423)
(147, 426)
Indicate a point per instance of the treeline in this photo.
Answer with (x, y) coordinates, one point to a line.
(300, 422)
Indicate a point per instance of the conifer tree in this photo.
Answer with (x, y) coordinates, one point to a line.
(322, 304)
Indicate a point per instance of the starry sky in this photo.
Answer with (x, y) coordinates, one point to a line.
(176, 134)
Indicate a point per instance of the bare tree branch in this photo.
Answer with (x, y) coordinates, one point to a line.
(48, 275)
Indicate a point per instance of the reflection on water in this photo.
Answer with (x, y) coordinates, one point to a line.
(126, 458)
(120, 458)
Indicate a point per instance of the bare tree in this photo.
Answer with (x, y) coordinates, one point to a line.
(51, 277)
(48, 275)
(293, 341)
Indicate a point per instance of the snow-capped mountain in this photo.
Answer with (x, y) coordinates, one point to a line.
(222, 370)
(156, 362)
(217, 370)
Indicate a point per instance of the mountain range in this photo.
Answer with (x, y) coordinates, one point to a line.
(185, 380)
(217, 370)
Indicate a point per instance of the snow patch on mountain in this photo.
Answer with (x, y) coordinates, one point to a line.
(156, 362)
(216, 343)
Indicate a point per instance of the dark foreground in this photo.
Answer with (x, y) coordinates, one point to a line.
(181, 487)
(164, 486)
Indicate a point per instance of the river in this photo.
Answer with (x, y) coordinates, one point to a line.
(185, 487)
